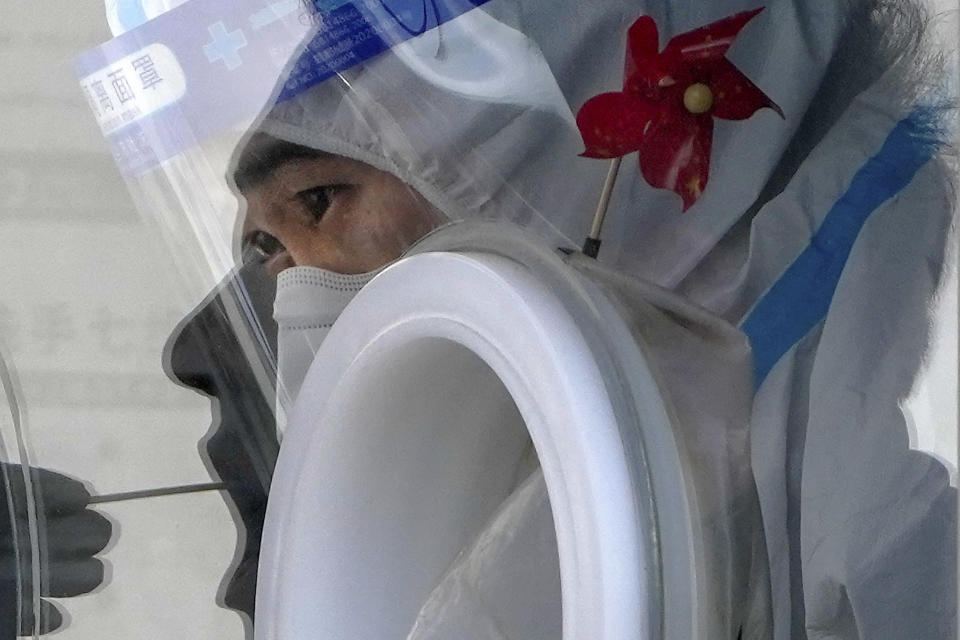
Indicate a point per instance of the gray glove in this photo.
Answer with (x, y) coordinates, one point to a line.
(69, 537)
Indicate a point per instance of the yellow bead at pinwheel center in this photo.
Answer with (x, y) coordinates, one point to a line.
(698, 98)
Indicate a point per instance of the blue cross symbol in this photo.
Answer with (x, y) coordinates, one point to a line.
(225, 45)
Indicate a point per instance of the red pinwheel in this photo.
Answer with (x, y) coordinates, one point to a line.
(668, 103)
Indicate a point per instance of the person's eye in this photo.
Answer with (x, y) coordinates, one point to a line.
(261, 245)
(317, 200)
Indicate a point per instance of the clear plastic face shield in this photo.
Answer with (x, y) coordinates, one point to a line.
(563, 314)
(188, 155)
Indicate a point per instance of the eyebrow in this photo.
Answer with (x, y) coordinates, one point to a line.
(265, 154)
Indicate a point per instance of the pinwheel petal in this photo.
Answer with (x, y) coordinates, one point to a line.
(735, 97)
(709, 42)
(643, 43)
(675, 155)
(668, 102)
(613, 124)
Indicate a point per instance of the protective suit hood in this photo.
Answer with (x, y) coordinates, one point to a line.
(497, 144)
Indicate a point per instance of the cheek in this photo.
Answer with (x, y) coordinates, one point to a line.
(367, 230)
(380, 229)
(373, 238)
(412, 216)
(408, 220)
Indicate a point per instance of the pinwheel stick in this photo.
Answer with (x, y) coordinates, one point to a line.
(591, 246)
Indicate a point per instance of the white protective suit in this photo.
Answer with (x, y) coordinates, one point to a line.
(822, 235)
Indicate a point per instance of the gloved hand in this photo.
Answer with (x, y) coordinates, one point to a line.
(69, 536)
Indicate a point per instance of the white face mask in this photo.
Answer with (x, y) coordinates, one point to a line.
(309, 300)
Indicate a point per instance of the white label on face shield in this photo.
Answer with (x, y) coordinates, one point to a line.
(134, 87)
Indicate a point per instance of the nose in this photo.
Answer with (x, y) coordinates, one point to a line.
(187, 360)
(204, 349)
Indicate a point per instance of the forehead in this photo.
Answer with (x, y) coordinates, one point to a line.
(264, 154)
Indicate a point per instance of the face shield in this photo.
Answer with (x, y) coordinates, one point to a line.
(475, 110)
(303, 163)
(448, 114)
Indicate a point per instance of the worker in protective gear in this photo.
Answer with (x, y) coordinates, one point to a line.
(801, 214)
(812, 214)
